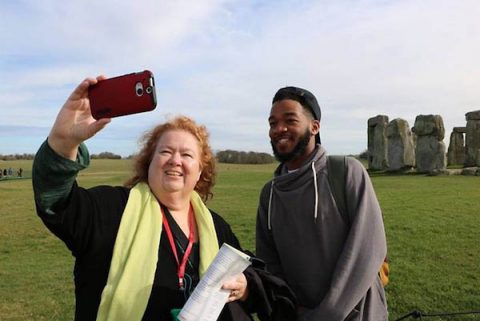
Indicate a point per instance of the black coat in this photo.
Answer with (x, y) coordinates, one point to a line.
(88, 224)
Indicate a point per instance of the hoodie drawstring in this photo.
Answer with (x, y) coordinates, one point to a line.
(316, 192)
(269, 206)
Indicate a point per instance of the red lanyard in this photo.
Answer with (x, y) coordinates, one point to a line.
(181, 266)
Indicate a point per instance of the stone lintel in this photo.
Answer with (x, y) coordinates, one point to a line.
(473, 115)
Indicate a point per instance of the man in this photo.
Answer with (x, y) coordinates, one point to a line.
(330, 263)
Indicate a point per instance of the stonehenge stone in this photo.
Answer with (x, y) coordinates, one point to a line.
(401, 149)
(456, 148)
(471, 171)
(430, 154)
(472, 139)
(429, 125)
(377, 142)
(430, 149)
(473, 115)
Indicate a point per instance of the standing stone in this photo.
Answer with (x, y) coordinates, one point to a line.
(430, 156)
(377, 142)
(472, 139)
(401, 149)
(456, 148)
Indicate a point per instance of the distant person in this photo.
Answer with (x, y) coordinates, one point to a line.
(1, 173)
(20, 172)
(5, 173)
(140, 249)
(10, 171)
(331, 265)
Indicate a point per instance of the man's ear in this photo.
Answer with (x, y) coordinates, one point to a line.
(315, 127)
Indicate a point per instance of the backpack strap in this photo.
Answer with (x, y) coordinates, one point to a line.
(337, 174)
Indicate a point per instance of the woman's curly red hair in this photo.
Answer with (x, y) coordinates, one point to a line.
(149, 142)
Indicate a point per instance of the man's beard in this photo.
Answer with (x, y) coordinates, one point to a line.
(297, 151)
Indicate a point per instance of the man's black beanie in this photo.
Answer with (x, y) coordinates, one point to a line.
(304, 97)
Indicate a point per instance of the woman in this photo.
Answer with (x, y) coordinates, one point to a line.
(140, 249)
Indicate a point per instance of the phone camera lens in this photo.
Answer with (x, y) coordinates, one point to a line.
(139, 89)
(149, 90)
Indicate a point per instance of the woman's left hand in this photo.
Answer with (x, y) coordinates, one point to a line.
(237, 287)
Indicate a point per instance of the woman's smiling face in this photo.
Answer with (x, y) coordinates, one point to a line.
(175, 165)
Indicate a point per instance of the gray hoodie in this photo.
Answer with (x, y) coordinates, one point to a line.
(331, 265)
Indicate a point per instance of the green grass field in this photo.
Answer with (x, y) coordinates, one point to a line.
(432, 226)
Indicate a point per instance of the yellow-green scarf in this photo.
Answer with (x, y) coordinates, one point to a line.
(135, 254)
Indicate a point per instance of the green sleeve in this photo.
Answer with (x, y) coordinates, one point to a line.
(53, 176)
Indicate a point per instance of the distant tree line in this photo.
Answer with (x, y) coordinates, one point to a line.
(105, 155)
(364, 155)
(237, 157)
(17, 157)
(10, 157)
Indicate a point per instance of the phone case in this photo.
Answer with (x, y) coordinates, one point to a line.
(123, 95)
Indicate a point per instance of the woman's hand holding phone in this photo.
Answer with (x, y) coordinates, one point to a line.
(74, 123)
(92, 104)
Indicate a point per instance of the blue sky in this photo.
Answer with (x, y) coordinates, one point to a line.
(220, 62)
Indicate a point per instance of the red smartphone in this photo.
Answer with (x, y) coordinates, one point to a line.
(123, 95)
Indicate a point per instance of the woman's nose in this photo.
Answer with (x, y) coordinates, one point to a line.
(175, 159)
